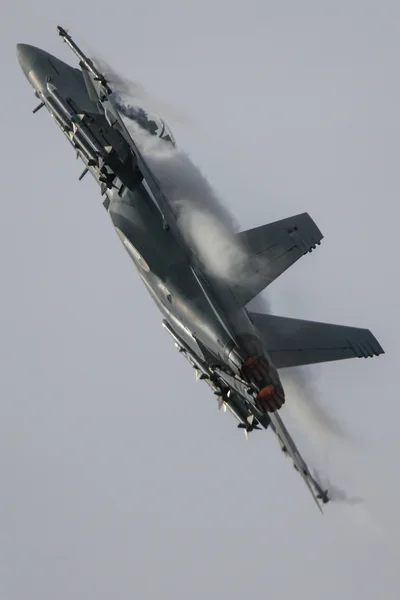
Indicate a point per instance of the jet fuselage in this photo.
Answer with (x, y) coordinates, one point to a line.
(229, 347)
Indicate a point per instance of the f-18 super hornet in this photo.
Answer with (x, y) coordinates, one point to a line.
(238, 353)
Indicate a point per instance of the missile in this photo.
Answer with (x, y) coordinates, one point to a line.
(76, 121)
(182, 347)
(54, 109)
(225, 400)
(76, 140)
(84, 60)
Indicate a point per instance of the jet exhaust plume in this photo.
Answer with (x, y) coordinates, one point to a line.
(305, 407)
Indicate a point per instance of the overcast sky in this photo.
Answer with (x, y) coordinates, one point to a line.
(119, 477)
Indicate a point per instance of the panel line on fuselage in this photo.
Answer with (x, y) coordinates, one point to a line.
(221, 321)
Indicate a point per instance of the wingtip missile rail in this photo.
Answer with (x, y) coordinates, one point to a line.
(84, 61)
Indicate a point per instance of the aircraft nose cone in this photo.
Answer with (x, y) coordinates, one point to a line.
(27, 56)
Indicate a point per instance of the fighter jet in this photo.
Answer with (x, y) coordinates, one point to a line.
(236, 352)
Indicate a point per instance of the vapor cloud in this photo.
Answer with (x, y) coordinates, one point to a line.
(205, 222)
(302, 391)
(132, 92)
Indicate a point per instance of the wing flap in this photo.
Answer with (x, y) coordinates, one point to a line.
(271, 249)
(295, 342)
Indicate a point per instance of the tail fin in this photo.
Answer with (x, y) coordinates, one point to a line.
(272, 249)
(294, 342)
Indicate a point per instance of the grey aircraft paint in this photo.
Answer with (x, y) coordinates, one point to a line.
(236, 352)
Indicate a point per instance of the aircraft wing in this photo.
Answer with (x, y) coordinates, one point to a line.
(150, 179)
(289, 447)
(101, 93)
(274, 422)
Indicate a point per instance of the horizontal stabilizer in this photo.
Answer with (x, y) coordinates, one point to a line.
(271, 249)
(294, 342)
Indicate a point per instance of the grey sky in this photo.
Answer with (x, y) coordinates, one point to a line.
(119, 478)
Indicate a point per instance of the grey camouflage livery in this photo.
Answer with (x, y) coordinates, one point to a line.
(236, 352)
